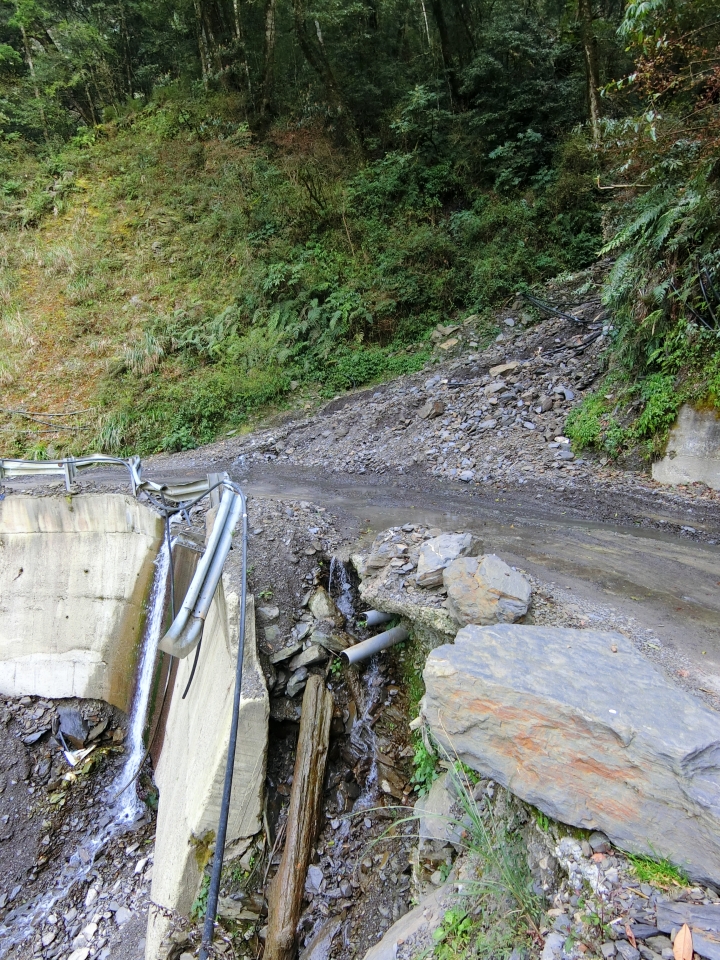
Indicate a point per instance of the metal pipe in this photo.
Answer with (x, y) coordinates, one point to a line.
(214, 888)
(184, 635)
(361, 651)
(374, 618)
(179, 624)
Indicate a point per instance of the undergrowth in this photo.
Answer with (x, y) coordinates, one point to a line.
(174, 277)
(499, 911)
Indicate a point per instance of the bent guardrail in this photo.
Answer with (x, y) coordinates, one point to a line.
(68, 468)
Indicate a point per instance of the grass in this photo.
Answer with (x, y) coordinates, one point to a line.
(660, 873)
(173, 280)
(499, 911)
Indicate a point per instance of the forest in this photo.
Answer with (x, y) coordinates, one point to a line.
(207, 206)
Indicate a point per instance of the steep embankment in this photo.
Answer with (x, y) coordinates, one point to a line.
(172, 274)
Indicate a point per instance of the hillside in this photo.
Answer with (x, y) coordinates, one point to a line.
(187, 253)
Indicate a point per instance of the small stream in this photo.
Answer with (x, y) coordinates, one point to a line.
(362, 735)
(123, 808)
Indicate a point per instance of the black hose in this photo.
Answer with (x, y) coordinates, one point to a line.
(214, 889)
(553, 311)
(192, 672)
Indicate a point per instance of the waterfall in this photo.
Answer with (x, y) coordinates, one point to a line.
(343, 601)
(20, 924)
(129, 806)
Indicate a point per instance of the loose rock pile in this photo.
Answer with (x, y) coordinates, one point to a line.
(50, 811)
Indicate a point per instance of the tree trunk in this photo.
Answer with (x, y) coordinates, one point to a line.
(286, 892)
(269, 58)
(202, 44)
(591, 64)
(31, 68)
(316, 58)
(439, 15)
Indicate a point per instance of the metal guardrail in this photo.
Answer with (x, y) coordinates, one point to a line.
(69, 466)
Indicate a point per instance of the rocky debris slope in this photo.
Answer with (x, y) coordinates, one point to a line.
(581, 725)
(483, 415)
(593, 901)
(50, 811)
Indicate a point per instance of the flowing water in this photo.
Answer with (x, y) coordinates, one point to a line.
(123, 806)
(362, 736)
(344, 599)
(128, 806)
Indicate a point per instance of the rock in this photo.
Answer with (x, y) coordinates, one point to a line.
(229, 909)
(321, 944)
(434, 811)
(268, 614)
(297, 682)
(437, 553)
(432, 409)
(599, 843)
(99, 729)
(122, 916)
(608, 950)
(335, 642)
(485, 590)
(626, 950)
(285, 653)
(81, 954)
(426, 917)
(658, 944)
(73, 727)
(314, 878)
(503, 368)
(704, 923)
(322, 606)
(308, 658)
(271, 632)
(553, 946)
(596, 739)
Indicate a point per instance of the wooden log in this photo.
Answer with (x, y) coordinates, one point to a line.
(286, 891)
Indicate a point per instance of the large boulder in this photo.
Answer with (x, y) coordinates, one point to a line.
(581, 725)
(438, 553)
(485, 590)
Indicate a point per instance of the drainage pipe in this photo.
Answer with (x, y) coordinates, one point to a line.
(361, 651)
(374, 618)
(214, 889)
(185, 631)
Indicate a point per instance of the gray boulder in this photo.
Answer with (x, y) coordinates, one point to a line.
(485, 590)
(438, 553)
(581, 725)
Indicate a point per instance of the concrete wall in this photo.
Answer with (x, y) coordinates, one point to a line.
(74, 575)
(693, 450)
(191, 769)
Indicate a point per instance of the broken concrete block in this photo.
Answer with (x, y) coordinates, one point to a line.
(190, 773)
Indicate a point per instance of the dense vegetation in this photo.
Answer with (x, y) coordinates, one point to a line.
(214, 206)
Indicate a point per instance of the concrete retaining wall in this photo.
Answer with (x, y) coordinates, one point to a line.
(191, 769)
(74, 575)
(693, 450)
